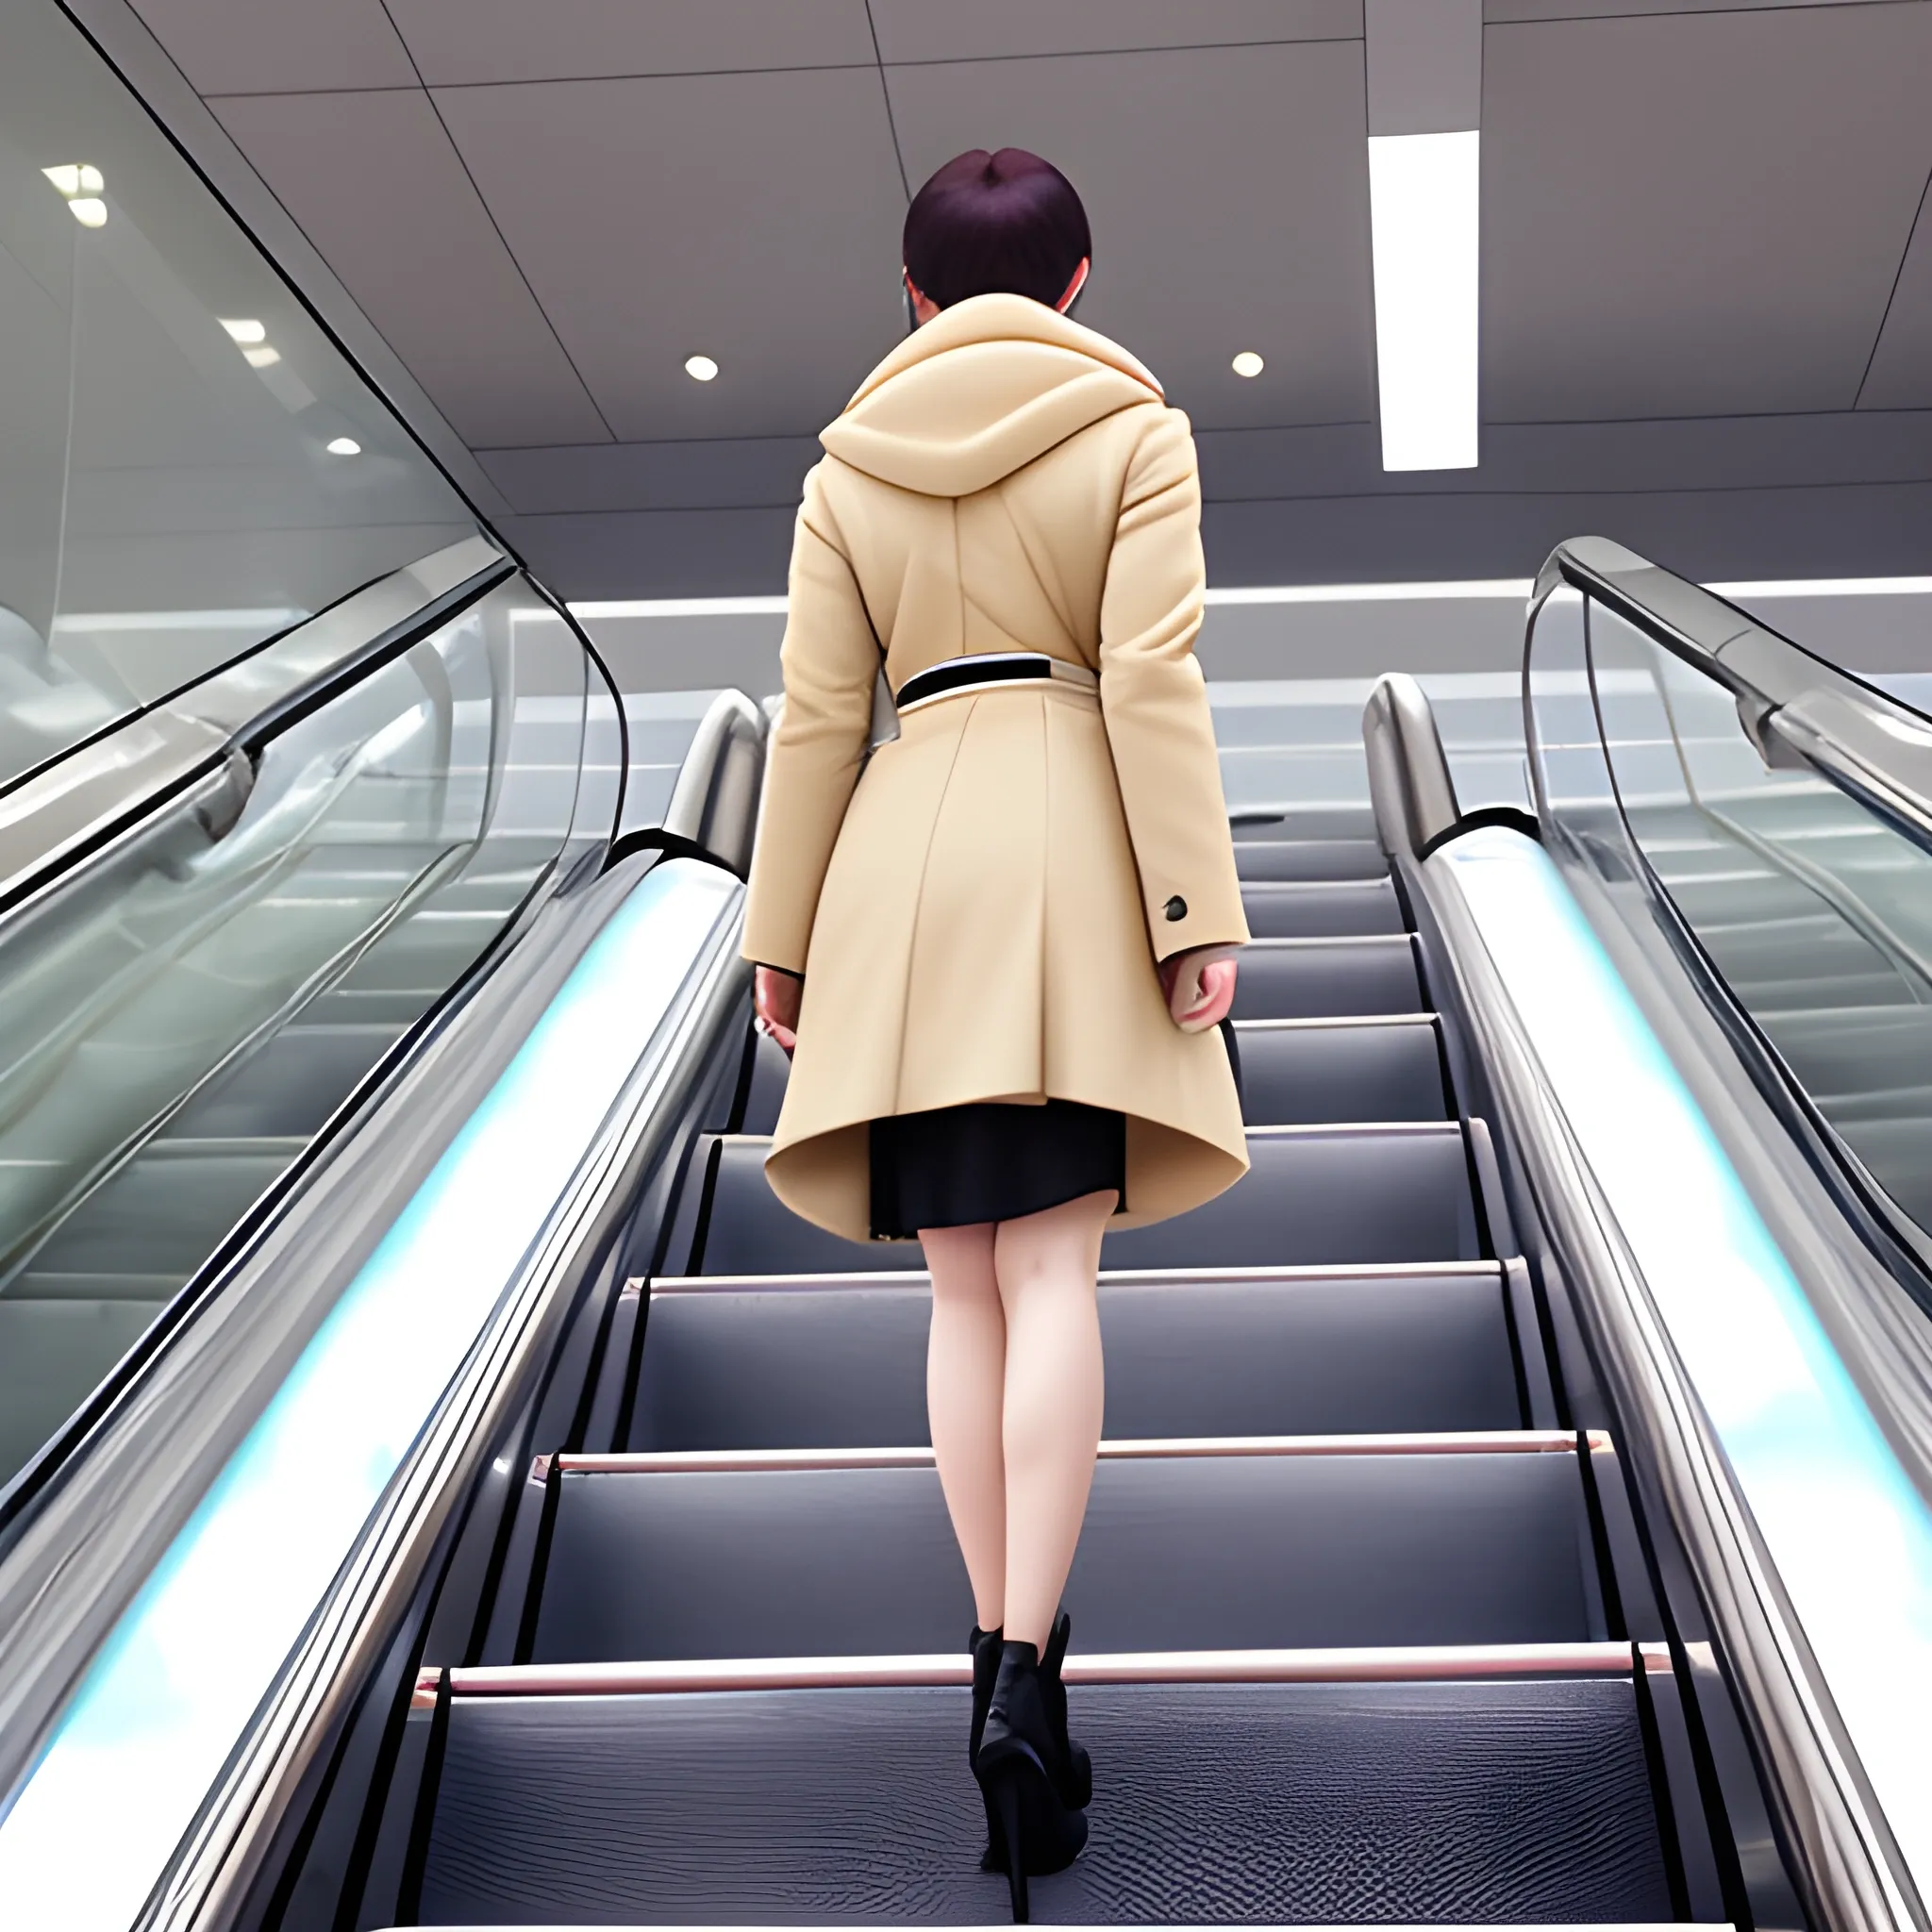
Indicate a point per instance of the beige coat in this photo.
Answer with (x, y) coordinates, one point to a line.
(979, 908)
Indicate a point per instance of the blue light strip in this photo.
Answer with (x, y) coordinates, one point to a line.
(1849, 1533)
(173, 1690)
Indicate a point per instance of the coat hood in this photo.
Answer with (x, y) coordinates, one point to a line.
(981, 391)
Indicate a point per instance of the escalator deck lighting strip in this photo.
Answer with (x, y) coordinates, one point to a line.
(1847, 1533)
(746, 1461)
(1286, 1276)
(1394, 1665)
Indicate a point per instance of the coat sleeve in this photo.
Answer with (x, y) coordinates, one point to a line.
(830, 663)
(1154, 700)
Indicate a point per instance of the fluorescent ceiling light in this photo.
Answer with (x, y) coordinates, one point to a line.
(1827, 587)
(75, 181)
(245, 330)
(1422, 210)
(700, 368)
(344, 446)
(1515, 589)
(262, 357)
(1248, 363)
(682, 606)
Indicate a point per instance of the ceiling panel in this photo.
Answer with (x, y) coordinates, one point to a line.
(1696, 214)
(375, 184)
(274, 46)
(457, 42)
(1229, 193)
(753, 218)
(999, 29)
(713, 473)
(1901, 373)
(1505, 10)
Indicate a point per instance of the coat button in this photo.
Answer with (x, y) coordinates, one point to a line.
(1175, 907)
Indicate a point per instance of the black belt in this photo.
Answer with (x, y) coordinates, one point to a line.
(984, 668)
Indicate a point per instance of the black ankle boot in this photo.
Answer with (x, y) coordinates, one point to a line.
(985, 1645)
(1077, 1788)
(1021, 1771)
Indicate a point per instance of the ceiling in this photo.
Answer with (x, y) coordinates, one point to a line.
(1707, 278)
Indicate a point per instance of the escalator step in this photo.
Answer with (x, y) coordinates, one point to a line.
(1324, 908)
(1310, 858)
(1321, 979)
(1274, 1543)
(841, 1363)
(54, 1354)
(1297, 1073)
(1376, 1194)
(1291, 1071)
(1504, 1799)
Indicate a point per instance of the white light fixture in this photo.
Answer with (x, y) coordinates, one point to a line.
(700, 368)
(82, 186)
(75, 181)
(1423, 211)
(344, 446)
(262, 356)
(245, 330)
(1248, 363)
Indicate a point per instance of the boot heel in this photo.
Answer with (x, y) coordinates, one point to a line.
(1006, 1798)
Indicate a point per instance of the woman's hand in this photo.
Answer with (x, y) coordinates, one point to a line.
(1199, 987)
(775, 1000)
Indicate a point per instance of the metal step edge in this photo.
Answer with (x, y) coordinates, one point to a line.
(1300, 1130)
(1125, 1449)
(1148, 1925)
(1405, 940)
(1286, 1276)
(1336, 1022)
(1402, 1664)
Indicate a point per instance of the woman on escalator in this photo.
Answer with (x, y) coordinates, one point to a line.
(999, 944)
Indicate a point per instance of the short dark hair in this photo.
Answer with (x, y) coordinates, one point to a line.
(996, 223)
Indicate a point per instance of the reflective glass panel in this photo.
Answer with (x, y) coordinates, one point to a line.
(176, 1024)
(188, 466)
(1818, 914)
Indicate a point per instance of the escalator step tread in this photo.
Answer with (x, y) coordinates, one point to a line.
(1382, 1195)
(1324, 908)
(1498, 1802)
(1315, 1547)
(1292, 1074)
(1310, 858)
(844, 1364)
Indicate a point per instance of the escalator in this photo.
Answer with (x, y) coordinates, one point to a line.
(1351, 1640)
(1424, 1579)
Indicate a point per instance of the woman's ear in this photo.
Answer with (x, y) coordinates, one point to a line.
(1075, 287)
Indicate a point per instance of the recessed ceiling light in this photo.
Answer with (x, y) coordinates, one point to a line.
(700, 368)
(90, 212)
(1424, 212)
(247, 330)
(262, 358)
(1248, 363)
(344, 446)
(80, 179)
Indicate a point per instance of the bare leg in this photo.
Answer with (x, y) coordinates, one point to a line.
(965, 1375)
(1047, 1264)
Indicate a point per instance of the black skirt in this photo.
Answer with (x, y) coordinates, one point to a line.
(991, 1160)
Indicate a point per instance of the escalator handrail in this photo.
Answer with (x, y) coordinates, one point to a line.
(1845, 1858)
(213, 730)
(1797, 708)
(110, 1410)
